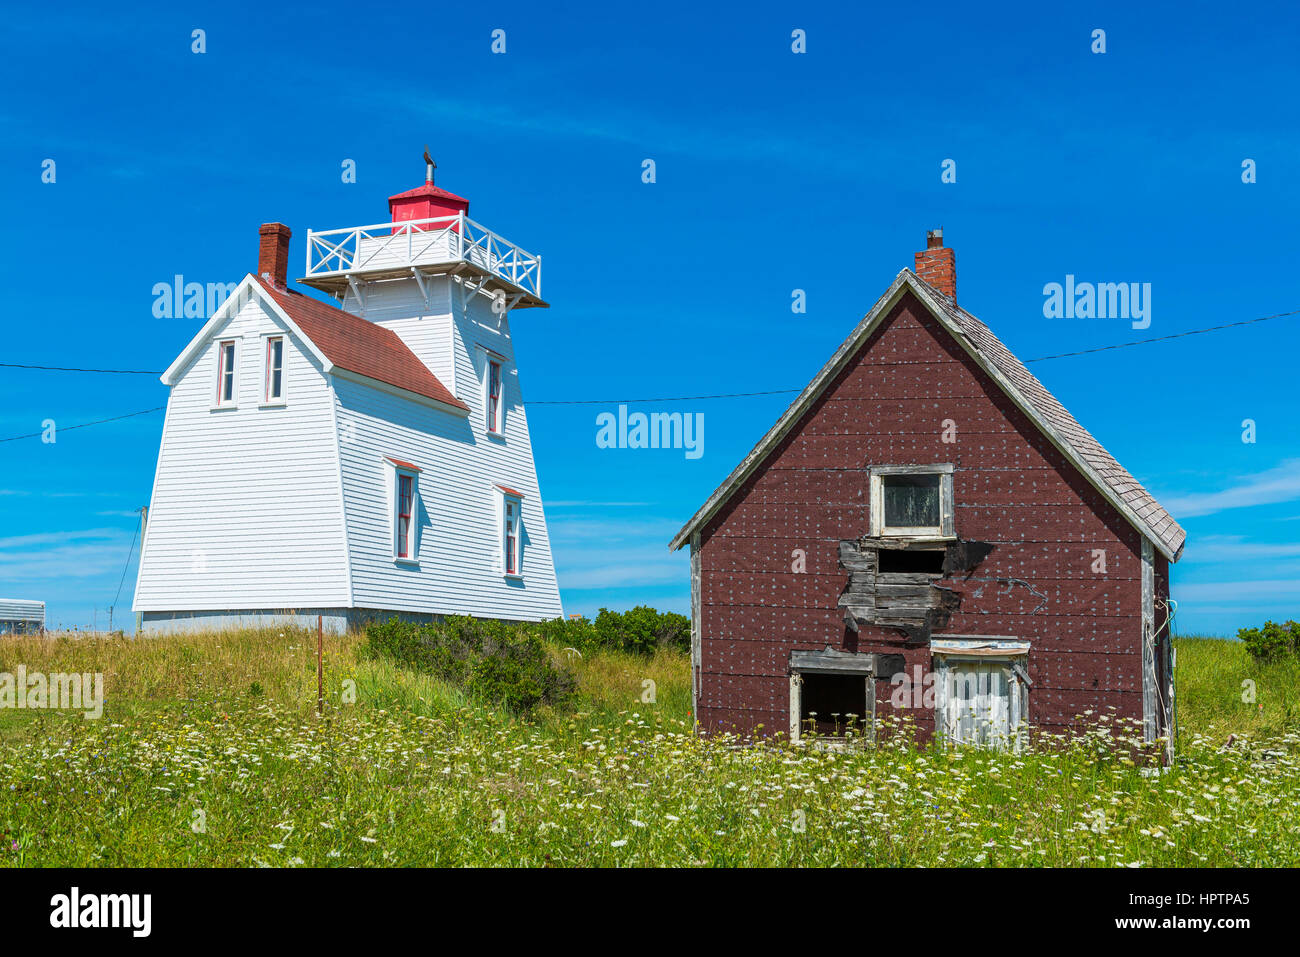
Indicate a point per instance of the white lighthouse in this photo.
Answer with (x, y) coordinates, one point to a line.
(355, 461)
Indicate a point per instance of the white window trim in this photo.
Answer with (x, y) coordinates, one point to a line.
(504, 496)
(393, 473)
(217, 404)
(266, 337)
(941, 532)
(489, 356)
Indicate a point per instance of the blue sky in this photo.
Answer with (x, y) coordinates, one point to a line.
(774, 171)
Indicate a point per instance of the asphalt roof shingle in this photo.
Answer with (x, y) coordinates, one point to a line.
(360, 346)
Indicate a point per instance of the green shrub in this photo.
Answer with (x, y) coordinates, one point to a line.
(640, 631)
(499, 663)
(1273, 641)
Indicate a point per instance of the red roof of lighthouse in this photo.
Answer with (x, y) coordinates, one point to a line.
(428, 190)
(360, 346)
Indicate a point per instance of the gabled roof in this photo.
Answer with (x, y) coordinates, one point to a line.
(340, 341)
(1074, 441)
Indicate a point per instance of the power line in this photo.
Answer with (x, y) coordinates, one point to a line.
(19, 365)
(1176, 335)
(1059, 355)
(85, 425)
(679, 398)
(134, 536)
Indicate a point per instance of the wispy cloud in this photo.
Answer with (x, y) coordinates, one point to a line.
(628, 553)
(580, 503)
(1278, 484)
(1233, 548)
(1259, 589)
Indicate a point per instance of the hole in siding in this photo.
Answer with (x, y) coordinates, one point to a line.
(898, 561)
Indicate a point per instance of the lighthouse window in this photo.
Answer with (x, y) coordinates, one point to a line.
(226, 372)
(494, 396)
(510, 558)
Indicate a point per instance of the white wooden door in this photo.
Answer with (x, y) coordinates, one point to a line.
(978, 702)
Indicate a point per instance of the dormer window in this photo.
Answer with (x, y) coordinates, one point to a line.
(226, 372)
(911, 501)
(494, 423)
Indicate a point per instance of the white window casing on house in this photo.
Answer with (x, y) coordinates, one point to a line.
(912, 501)
(227, 392)
(493, 383)
(510, 514)
(275, 356)
(404, 504)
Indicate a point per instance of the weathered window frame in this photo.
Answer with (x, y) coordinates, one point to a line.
(1010, 653)
(943, 531)
(830, 662)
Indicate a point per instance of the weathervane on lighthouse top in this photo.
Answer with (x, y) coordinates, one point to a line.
(429, 165)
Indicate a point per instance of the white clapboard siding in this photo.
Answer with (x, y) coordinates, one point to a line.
(423, 322)
(246, 509)
(17, 609)
(457, 520)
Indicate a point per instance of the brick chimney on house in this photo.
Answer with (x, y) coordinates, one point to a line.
(937, 265)
(273, 253)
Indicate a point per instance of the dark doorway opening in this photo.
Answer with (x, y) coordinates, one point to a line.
(831, 704)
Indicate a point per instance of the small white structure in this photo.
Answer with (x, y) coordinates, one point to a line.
(20, 617)
(354, 462)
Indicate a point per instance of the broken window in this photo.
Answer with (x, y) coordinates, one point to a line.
(830, 705)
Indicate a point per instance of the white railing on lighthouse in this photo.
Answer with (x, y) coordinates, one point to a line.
(421, 242)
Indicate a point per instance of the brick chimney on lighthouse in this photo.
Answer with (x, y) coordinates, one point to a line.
(937, 264)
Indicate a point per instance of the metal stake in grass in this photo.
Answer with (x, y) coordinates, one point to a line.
(320, 664)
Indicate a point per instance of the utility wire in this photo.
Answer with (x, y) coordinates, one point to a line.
(19, 365)
(84, 425)
(678, 398)
(1176, 335)
(134, 536)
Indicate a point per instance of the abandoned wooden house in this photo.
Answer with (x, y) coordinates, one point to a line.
(927, 531)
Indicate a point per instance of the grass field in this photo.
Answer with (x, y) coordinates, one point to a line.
(209, 753)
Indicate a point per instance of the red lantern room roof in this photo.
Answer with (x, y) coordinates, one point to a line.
(426, 201)
(428, 190)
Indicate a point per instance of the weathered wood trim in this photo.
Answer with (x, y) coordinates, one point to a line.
(1150, 697)
(876, 490)
(833, 662)
(697, 628)
(796, 704)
